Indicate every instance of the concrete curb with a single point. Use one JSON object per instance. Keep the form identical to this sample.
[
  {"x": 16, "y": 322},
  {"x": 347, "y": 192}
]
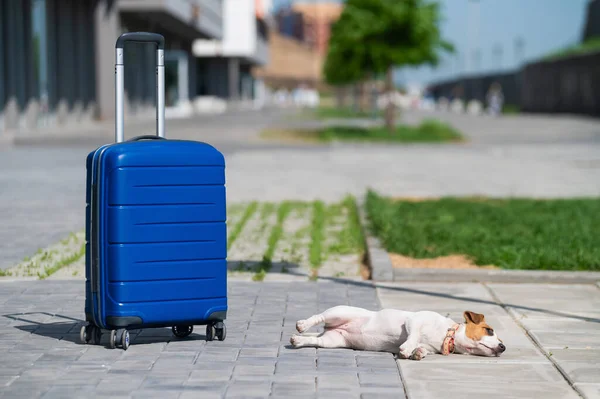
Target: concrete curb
[
  {"x": 496, "y": 276},
  {"x": 377, "y": 258},
  {"x": 10, "y": 279}
]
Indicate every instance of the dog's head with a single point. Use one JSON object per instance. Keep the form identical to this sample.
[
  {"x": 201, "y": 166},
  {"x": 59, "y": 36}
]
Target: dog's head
[{"x": 479, "y": 337}]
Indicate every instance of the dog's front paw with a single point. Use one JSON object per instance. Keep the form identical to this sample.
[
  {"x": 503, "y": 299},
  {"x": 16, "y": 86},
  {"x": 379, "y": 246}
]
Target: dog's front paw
[
  {"x": 295, "y": 340},
  {"x": 418, "y": 354},
  {"x": 301, "y": 326},
  {"x": 404, "y": 353}
]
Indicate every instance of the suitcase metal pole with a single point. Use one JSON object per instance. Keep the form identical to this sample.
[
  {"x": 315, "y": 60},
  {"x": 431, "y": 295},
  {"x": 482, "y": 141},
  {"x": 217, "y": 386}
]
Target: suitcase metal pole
[{"x": 144, "y": 37}]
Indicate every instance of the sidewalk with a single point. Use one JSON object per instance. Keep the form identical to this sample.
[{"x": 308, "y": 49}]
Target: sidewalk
[
  {"x": 552, "y": 335},
  {"x": 40, "y": 353}
]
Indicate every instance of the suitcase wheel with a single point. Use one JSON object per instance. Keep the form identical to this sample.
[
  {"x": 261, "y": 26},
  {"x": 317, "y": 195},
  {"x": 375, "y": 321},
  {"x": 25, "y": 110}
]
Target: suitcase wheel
[
  {"x": 119, "y": 338},
  {"x": 182, "y": 331},
  {"x": 90, "y": 333},
  {"x": 217, "y": 330},
  {"x": 210, "y": 332},
  {"x": 221, "y": 332}
]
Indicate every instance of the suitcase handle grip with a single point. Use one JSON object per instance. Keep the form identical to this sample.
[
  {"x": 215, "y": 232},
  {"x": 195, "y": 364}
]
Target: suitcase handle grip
[
  {"x": 145, "y": 37},
  {"x": 146, "y": 137}
]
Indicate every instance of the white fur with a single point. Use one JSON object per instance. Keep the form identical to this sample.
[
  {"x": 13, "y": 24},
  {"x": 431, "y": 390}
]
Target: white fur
[{"x": 411, "y": 335}]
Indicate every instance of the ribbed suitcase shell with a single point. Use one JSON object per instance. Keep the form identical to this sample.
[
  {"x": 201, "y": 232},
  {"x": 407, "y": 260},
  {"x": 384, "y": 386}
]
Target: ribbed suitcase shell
[{"x": 156, "y": 239}]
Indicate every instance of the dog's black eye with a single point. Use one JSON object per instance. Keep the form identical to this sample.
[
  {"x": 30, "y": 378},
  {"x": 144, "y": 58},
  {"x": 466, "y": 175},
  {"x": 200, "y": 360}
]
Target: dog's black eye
[{"x": 490, "y": 331}]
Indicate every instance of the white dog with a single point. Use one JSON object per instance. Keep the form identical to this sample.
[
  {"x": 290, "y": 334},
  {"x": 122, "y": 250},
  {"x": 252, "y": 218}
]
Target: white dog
[{"x": 412, "y": 335}]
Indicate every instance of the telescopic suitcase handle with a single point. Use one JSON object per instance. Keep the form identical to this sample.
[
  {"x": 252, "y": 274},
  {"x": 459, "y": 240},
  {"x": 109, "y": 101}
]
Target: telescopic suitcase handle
[{"x": 144, "y": 37}]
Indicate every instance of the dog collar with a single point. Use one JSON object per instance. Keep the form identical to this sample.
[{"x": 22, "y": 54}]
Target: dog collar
[{"x": 448, "y": 344}]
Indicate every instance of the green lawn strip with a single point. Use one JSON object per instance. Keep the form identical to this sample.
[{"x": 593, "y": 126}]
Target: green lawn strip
[
  {"x": 317, "y": 234},
  {"x": 239, "y": 226},
  {"x": 276, "y": 233},
  {"x": 589, "y": 46},
  {"x": 349, "y": 238},
  {"x": 429, "y": 131},
  {"x": 291, "y": 246},
  {"x": 518, "y": 233},
  {"x": 63, "y": 262},
  {"x": 343, "y": 113},
  {"x": 48, "y": 261}
]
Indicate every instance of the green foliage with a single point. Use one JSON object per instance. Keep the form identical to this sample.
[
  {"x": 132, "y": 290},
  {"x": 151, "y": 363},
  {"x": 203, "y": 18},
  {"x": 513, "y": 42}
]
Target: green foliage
[
  {"x": 237, "y": 229},
  {"x": 317, "y": 234},
  {"x": 429, "y": 131},
  {"x": 589, "y": 46},
  {"x": 561, "y": 234},
  {"x": 373, "y": 35},
  {"x": 342, "y": 113}
]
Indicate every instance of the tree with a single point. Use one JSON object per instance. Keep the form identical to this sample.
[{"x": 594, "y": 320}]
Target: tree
[
  {"x": 346, "y": 62},
  {"x": 375, "y": 36}
]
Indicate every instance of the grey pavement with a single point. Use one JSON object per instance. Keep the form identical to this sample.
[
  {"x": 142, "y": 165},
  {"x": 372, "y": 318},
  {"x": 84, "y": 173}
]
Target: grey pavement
[
  {"x": 551, "y": 333},
  {"x": 40, "y": 353},
  {"x": 42, "y": 186},
  {"x": 518, "y": 129}
]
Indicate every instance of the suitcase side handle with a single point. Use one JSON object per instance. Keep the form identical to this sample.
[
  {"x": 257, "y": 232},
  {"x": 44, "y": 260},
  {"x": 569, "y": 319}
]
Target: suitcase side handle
[{"x": 145, "y": 37}]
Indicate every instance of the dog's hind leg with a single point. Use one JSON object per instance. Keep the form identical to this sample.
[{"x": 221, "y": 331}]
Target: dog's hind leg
[
  {"x": 332, "y": 317},
  {"x": 328, "y": 339}
]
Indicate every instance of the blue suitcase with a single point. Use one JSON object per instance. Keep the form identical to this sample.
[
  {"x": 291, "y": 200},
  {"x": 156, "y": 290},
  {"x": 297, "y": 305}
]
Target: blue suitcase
[{"x": 156, "y": 239}]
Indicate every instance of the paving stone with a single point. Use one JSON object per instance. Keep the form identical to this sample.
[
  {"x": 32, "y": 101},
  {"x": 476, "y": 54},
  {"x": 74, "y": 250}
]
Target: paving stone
[
  {"x": 582, "y": 372},
  {"x": 248, "y": 389},
  {"x": 389, "y": 379},
  {"x": 347, "y": 382},
  {"x": 286, "y": 388},
  {"x": 575, "y": 355},
  {"x": 590, "y": 391},
  {"x": 574, "y": 340},
  {"x": 383, "y": 393}
]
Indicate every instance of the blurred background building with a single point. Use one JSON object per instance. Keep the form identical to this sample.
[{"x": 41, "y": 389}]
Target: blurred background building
[
  {"x": 57, "y": 57},
  {"x": 298, "y": 43},
  {"x": 543, "y": 57},
  {"x": 227, "y": 62}
]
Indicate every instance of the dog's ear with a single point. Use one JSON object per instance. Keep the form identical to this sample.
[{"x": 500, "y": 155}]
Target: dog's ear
[{"x": 472, "y": 317}]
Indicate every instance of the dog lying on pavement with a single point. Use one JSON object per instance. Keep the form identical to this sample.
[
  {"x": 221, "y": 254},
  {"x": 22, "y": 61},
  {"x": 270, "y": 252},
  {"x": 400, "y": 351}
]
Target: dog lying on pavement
[{"x": 411, "y": 335}]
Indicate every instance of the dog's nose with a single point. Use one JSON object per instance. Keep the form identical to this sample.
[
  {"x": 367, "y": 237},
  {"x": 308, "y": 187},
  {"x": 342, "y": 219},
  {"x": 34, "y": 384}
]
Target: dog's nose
[{"x": 501, "y": 347}]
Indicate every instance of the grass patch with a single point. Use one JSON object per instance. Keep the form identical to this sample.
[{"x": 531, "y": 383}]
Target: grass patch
[
  {"x": 510, "y": 109},
  {"x": 265, "y": 265},
  {"x": 237, "y": 229},
  {"x": 62, "y": 262},
  {"x": 429, "y": 131},
  {"x": 324, "y": 112},
  {"x": 350, "y": 238},
  {"x": 317, "y": 234},
  {"x": 562, "y": 234}
]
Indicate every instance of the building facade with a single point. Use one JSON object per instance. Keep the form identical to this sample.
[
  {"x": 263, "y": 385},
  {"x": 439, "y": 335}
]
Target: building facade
[
  {"x": 226, "y": 63},
  {"x": 298, "y": 45},
  {"x": 317, "y": 20},
  {"x": 57, "y": 58}
]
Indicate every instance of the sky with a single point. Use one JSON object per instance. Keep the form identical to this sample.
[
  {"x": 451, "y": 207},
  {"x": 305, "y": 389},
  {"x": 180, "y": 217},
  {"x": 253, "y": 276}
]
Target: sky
[{"x": 542, "y": 25}]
